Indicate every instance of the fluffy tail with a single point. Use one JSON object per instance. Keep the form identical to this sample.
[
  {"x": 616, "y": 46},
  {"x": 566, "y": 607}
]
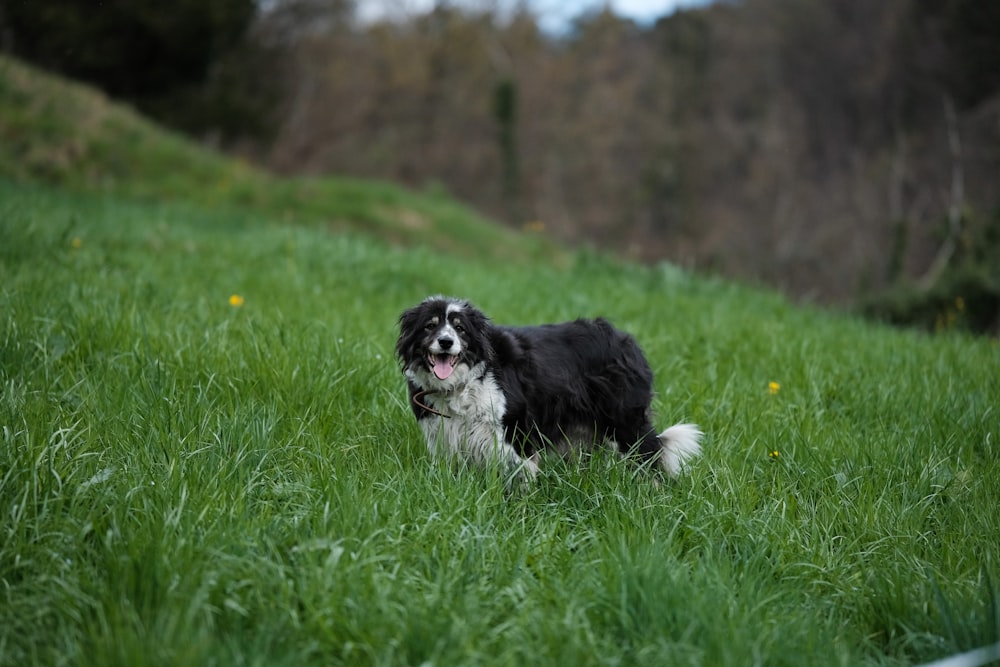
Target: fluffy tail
[{"x": 679, "y": 444}]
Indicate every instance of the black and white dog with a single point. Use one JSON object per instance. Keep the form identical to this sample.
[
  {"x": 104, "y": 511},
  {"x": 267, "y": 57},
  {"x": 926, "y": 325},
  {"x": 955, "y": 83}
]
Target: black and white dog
[{"x": 484, "y": 393}]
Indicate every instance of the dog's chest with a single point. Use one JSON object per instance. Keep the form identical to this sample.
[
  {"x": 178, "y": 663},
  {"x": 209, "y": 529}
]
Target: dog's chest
[{"x": 474, "y": 425}]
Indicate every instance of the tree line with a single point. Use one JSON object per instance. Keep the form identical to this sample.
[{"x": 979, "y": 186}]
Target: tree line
[{"x": 835, "y": 149}]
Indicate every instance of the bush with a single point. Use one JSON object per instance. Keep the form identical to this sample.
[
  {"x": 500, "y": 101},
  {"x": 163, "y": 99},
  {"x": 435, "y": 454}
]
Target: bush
[{"x": 966, "y": 295}]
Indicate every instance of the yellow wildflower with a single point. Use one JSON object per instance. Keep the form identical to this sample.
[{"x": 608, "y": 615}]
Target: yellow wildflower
[
  {"x": 773, "y": 387},
  {"x": 535, "y": 226},
  {"x": 236, "y": 301},
  {"x": 773, "y": 455}
]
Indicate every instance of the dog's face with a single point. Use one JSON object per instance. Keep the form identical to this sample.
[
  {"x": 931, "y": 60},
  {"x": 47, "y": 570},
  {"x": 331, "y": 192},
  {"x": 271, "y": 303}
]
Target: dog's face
[{"x": 440, "y": 341}]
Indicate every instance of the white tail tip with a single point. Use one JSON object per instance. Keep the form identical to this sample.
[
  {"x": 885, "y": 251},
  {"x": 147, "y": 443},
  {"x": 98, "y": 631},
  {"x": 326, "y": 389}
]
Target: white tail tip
[{"x": 680, "y": 443}]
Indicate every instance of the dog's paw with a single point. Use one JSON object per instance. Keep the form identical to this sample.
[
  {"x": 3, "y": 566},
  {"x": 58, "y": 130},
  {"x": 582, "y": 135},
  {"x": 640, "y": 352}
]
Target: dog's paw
[{"x": 523, "y": 474}]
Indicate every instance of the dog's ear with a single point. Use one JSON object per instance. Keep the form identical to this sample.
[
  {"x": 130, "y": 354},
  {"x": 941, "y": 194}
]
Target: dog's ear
[
  {"x": 505, "y": 348},
  {"x": 409, "y": 326},
  {"x": 409, "y": 318},
  {"x": 483, "y": 328},
  {"x": 477, "y": 319}
]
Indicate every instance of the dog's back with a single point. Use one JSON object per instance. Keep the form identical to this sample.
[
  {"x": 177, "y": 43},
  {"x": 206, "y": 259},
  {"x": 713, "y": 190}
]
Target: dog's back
[{"x": 571, "y": 379}]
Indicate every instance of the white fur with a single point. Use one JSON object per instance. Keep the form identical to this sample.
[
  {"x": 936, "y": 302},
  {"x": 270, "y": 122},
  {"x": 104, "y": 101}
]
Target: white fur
[
  {"x": 680, "y": 443},
  {"x": 473, "y": 432}
]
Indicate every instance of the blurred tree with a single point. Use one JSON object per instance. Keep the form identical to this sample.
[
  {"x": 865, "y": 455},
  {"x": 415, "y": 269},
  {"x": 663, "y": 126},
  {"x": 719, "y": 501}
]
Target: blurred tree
[
  {"x": 168, "y": 58},
  {"x": 816, "y": 145},
  {"x": 130, "y": 48},
  {"x": 966, "y": 39},
  {"x": 505, "y": 113}
]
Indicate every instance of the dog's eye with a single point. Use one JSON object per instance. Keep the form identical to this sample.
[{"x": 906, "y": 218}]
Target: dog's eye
[
  {"x": 458, "y": 326},
  {"x": 430, "y": 325}
]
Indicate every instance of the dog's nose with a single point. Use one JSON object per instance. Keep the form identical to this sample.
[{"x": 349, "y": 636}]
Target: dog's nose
[{"x": 445, "y": 343}]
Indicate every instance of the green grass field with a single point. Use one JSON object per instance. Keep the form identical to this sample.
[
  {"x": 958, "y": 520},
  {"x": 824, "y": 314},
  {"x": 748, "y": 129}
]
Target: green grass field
[
  {"x": 207, "y": 457},
  {"x": 186, "y": 481}
]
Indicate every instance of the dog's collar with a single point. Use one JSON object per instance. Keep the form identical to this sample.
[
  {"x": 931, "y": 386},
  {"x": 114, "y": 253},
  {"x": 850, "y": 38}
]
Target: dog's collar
[{"x": 415, "y": 398}]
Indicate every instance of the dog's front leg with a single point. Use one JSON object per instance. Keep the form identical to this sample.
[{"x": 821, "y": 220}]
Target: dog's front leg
[
  {"x": 488, "y": 446},
  {"x": 521, "y": 472}
]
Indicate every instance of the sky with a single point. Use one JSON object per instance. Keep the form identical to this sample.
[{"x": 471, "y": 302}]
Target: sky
[{"x": 554, "y": 15}]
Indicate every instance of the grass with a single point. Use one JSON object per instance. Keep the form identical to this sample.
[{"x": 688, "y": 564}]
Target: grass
[{"x": 185, "y": 481}]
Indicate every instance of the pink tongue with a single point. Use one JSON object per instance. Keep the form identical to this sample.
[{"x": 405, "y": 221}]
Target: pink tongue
[{"x": 443, "y": 367}]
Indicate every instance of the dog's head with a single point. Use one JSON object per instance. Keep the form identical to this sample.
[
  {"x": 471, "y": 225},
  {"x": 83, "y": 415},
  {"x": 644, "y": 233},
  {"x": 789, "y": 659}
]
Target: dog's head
[{"x": 440, "y": 341}]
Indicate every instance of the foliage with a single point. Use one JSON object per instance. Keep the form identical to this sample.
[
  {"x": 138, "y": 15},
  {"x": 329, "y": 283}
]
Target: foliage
[
  {"x": 966, "y": 295},
  {"x": 777, "y": 141},
  {"x": 970, "y": 69},
  {"x": 127, "y": 48},
  {"x": 207, "y": 458},
  {"x": 774, "y": 141},
  {"x": 504, "y": 111},
  {"x": 159, "y": 56}
]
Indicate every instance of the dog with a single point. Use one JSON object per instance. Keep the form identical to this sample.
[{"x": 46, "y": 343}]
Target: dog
[{"x": 500, "y": 395}]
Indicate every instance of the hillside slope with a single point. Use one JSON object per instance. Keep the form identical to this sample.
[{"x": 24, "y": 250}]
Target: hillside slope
[
  {"x": 61, "y": 133},
  {"x": 206, "y": 457}
]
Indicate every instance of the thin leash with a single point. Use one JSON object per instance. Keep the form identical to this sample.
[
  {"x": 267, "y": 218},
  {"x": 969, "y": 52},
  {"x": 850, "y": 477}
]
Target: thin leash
[{"x": 415, "y": 398}]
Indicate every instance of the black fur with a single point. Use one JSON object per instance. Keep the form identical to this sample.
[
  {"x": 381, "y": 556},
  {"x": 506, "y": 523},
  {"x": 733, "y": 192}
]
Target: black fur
[{"x": 582, "y": 378}]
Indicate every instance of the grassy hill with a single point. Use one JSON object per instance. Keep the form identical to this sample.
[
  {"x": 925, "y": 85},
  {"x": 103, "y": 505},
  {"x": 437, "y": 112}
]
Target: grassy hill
[
  {"x": 207, "y": 457},
  {"x": 69, "y": 135}
]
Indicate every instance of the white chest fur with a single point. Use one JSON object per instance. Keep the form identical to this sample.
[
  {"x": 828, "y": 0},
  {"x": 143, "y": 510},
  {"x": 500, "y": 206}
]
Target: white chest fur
[{"x": 473, "y": 429}]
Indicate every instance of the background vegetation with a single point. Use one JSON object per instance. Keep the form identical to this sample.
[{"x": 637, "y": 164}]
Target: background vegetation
[
  {"x": 831, "y": 148},
  {"x": 66, "y": 135},
  {"x": 207, "y": 457}
]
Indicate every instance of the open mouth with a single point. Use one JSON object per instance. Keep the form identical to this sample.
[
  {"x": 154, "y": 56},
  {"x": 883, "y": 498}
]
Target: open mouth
[{"x": 442, "y": 365}]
